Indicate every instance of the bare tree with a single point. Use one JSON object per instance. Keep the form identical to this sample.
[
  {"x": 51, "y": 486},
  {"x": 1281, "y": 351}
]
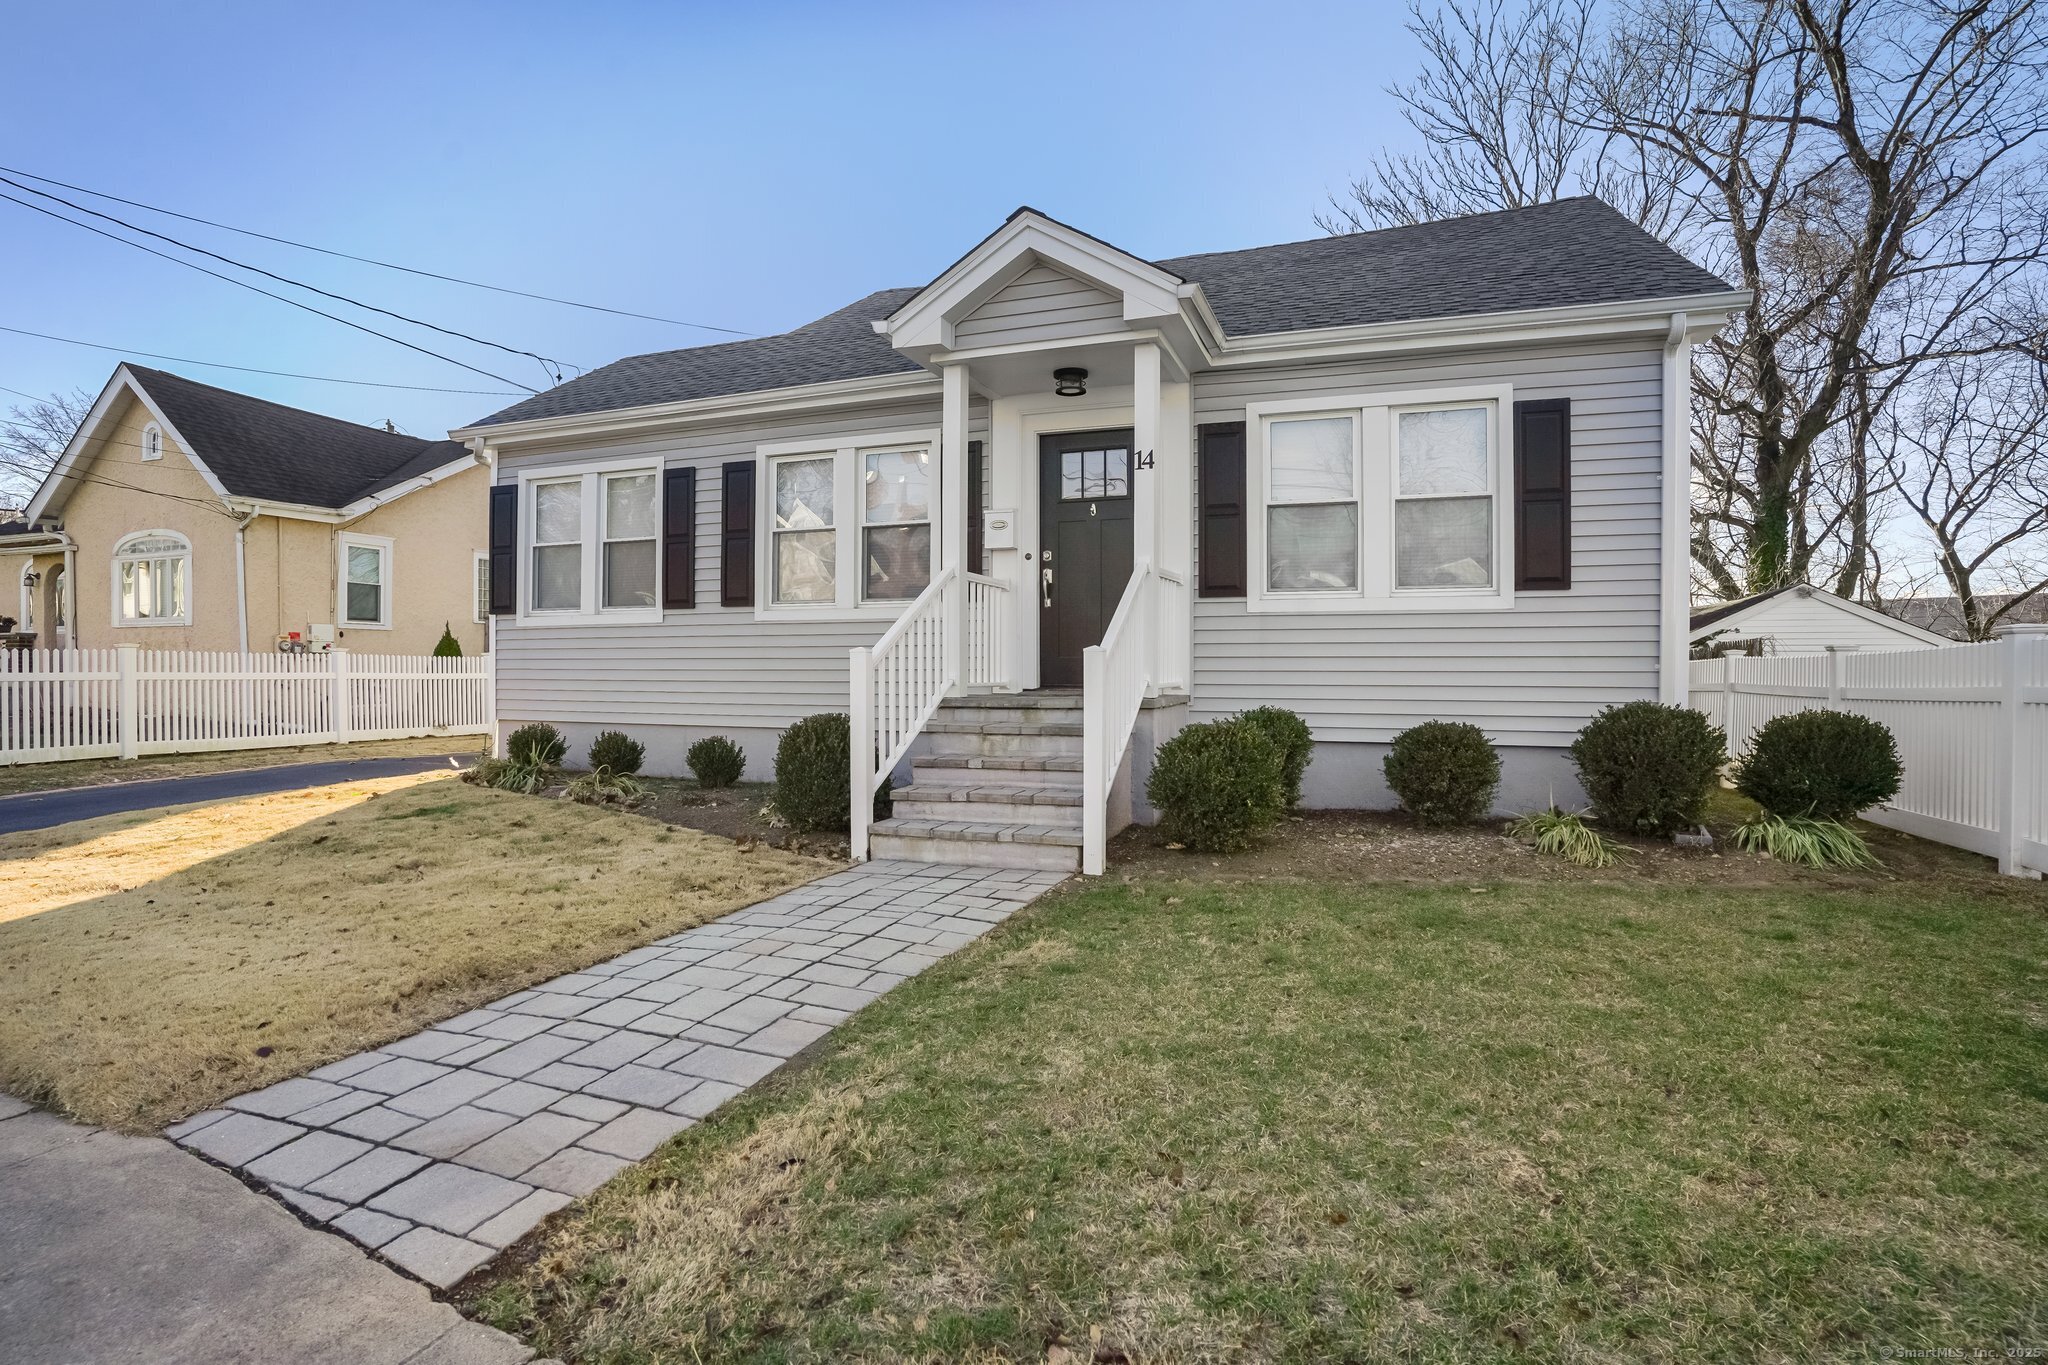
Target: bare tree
[
  {"x": 32, "y": 438},
  {"x": 1969, "y": 456},
  {"x": 1870, "y": 172}
]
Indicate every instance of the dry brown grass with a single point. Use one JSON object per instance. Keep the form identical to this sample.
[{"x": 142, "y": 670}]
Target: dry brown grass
[
  {"x": 98, "y": 772},
  {"x": 155, "y": 963}
]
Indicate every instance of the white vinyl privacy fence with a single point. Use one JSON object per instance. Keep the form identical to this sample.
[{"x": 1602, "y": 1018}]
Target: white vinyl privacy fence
[
  {"x": 124, "y": 702},
  {"x": 1971, "y": 723}
]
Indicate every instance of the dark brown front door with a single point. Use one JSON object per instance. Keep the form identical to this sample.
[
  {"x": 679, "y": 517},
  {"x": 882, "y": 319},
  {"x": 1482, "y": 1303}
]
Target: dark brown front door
[{"x": 1084, "y": 519}]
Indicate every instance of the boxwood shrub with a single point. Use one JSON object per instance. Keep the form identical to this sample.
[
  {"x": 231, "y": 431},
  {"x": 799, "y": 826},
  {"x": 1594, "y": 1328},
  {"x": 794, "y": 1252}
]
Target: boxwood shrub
[
  {"x": 538, "y": 745},
  {"x": 1290, "y": 734},
  {"x": 1217, "y": 785},
  {"x": 1827, "y": 765},
  {"x": 614, "y": 750},
  {"x": 814, "y": 773},
  {"x": 716, "y": 762},
  {"x": 1647, "y": 767},
  {"x": 1444, "y": 771}
]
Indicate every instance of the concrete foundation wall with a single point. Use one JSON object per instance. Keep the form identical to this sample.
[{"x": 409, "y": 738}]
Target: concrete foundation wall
[{"x": 1350, "y": 777}]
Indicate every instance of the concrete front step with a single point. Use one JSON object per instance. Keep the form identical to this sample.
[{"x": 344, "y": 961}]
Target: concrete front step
[
  {"x": 1052, "y": 699},
  {"x": 977, "y": 843},
  {"x": 1024, "y": 741},
  {"x": 1020, "y": 766},
  {"x": 1022, "y": 709},
  {"x": 990, "y": 804}
]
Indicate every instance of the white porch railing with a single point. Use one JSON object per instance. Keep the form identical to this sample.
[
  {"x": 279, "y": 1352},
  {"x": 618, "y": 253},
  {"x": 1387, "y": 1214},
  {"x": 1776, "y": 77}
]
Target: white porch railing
[
  {"x": 125, "y": 702},
  {"x": 988, "y": 632},
  {"x": 1116, "y": 677},
  {"x": 1971, "y": 723}
]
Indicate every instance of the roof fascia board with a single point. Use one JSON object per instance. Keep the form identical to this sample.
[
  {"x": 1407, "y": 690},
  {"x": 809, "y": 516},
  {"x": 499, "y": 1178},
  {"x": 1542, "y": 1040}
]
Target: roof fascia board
[
  {"x": 290, "y": 511},
  {"x": 370, "y": 502},
  {"x": 1707, "y": 314},
  {"x": 926, "y": 318},
  {"x": 795, "y": 398},
  {"x": 75, "y": 457}
]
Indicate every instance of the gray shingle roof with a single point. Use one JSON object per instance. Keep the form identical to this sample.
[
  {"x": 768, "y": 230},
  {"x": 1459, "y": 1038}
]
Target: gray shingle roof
[
  {"x": 260, "y": 449},
  {"x": 1574, "y": 251},
  {"x": 1721, "y": 611}
]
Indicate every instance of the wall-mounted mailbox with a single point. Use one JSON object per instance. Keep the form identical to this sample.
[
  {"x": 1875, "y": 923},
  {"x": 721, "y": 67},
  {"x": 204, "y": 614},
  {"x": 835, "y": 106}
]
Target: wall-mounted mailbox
[{"x": 999, "y": 530}]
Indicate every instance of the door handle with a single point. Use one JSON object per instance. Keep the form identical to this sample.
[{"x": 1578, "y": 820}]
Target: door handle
[{"x": 1045, "y": 586}]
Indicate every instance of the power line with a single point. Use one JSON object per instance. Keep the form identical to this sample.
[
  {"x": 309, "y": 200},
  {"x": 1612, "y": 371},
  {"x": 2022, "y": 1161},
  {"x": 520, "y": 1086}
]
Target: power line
[
  {"x": 369, "y": 260},
  {"x": 251, "y": 369},
  {"x": 44, "y": 474},
  {"x": 546, "y": 362},
  {"x": 244, "y": 284}
]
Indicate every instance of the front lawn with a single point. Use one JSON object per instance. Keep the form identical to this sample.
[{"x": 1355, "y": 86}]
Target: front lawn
[
  {"x": 1171, "y": 1119},
  {"x": 156, "y": 962}
]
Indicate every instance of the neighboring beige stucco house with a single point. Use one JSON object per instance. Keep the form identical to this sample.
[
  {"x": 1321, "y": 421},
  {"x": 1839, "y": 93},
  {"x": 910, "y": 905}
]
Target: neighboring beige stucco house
[{"x": 183, "y": 516}]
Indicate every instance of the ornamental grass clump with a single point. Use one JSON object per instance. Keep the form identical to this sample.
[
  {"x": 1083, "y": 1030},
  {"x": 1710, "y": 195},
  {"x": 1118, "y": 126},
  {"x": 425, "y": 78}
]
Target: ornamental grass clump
[
  {"x": 1648, "y": 767},
  {"x": 1290, "y": 734},
  {"x": 1566, "y": 835},
  {"x": 1218, "y": 785},
  {"x": 601, "y": 786},
  {"x": 1804, "y": 840},
  {"x": 1444, "y": 771}
]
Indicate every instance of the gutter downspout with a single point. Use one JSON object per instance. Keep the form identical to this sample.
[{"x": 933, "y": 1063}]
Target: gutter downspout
[
  {"x": 1675, "y": 622},
  {"x": 69, "y": 603},
  {"x": 242, "y": 580}
]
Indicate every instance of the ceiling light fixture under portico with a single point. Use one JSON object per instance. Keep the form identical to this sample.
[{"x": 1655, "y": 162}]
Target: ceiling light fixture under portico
[{"x": 1070, "y": 382}]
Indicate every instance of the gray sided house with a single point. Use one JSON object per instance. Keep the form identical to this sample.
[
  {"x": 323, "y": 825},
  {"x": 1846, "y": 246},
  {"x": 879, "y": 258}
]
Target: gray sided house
[{"x": 1024, "y": 522}]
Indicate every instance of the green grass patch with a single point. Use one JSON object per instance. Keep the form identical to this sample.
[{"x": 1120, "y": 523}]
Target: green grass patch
[{"x": 1307, "y": 1123}]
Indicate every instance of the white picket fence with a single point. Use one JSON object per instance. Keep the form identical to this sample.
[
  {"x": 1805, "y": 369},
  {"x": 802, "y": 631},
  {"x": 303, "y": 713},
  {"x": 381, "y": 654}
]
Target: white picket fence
[
  {"x": 125, "y": 702},
  {"x": 1971, "y": 723}
]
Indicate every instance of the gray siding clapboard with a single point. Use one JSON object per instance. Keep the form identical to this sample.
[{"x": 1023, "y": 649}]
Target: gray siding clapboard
[
  {"x": 1039, "y": 305},
  {"x": 712, "y": 665},
  {"x": 1530, "y": 675}
]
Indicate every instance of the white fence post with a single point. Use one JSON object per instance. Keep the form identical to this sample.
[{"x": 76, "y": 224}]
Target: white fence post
[
  {"x": 1836, "y": 688},
  {"x": 2013, "y": 821},
  {"x": 491, "y": 698},
  {"x": 128, "y": 716},
  {"x": 861, "y": 744},
  {"x": 339, "y": 718}
]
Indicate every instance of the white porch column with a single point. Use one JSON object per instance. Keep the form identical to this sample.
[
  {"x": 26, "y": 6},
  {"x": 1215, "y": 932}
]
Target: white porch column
[
  {"x": 1145, "y": 445},
  {"x": 952, "y": 516}
]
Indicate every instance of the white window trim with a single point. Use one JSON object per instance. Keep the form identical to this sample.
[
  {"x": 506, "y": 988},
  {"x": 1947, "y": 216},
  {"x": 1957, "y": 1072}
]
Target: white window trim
[
  {"x": 480, "y": 606},
  {"x": 589, "y": 611},
  {"x": 385, "y": 547},
  {"x": 114, "y": 582},
  {"x": 848, "y": 466},
  {"x": 1376, "y": 416},
  {"x": 152, "y": 429}
]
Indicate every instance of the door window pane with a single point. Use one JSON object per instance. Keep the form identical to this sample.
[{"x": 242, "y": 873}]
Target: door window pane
[
  {"x": 899, "y": 562},
  {"x": 1443, "y": 543},
  {"x": 1313, "y": 548},
  {"x": 557, "y": 577},
  {"x": 1443, "y": 452},
  {"x": 897, "y": 486},
  {"x": 1311, "y": 459}
]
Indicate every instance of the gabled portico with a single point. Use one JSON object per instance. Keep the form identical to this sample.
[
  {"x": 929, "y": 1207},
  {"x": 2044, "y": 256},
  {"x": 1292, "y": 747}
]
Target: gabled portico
[{"x": 1035, "y": 298}]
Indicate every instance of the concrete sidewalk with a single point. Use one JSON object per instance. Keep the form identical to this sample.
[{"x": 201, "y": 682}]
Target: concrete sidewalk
[{"x": 119, "y": 1249}]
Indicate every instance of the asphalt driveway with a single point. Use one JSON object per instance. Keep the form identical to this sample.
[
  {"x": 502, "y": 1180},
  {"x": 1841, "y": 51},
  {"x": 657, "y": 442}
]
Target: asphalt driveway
[{"x": 40, "y": 810}]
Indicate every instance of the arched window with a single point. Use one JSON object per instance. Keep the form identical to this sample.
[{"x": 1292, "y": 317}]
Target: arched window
[
  {"x": 152, "y": 442},
  {"x": 152, "y": 580}
]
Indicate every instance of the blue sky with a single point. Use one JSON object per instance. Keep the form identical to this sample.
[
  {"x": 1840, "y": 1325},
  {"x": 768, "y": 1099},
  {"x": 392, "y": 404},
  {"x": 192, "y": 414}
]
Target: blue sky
[{"x": 748, "y": 166}]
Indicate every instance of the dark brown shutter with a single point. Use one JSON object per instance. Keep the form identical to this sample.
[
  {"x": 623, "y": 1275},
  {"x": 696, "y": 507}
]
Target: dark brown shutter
[
  {"x": 1220, "y": 476},
  {"x": 679, "y": 539},
  {"x": 504, "y": 531},
  {"x": 736, "y": 535},
  {"x": 1543, "y": 495},
  {"x": 976, "y": 532}
]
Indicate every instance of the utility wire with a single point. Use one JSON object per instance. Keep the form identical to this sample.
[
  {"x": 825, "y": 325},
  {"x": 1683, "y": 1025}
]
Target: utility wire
[
  {"x": 368, "y": 260},
  {"x": 548, "y": 363},
  {"x": 24, "y": 468},
  {"x": 251, "y": 369},
  {"x": 244, "y": 284}
]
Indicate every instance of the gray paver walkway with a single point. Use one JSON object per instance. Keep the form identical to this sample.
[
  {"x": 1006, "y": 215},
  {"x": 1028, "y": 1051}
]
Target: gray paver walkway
[
  {"x": 439, "y": 1150},
  {"x": 126, "y": 1251}
]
